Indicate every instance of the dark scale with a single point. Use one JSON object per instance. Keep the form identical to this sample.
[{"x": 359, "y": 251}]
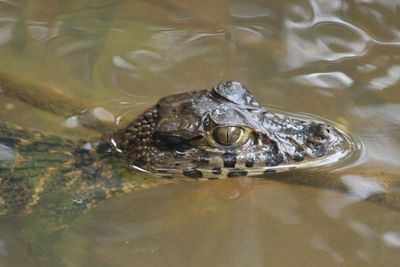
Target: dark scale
[
  {"x": 236, "y": 173},
  {"x": 273, "y": 160},
  {"x": 229, "y": 160},
  {"x": 298, "y": 156},
  {"x": 204, "y": 158},
  {"x": 249, "y": 163},
  {"x": 193, "y": 173},
  {"x": 216, "y": 170}
]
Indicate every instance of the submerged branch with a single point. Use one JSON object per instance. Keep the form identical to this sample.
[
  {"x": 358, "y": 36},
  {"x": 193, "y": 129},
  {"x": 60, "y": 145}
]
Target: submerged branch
[
  {"x": 51, "y": 100},
  {"x": 40, "y": 96}
]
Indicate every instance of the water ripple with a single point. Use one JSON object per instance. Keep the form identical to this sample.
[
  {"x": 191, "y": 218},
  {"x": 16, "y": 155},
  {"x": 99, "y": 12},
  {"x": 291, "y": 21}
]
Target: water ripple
[
  {"x": 249, "y": 10},
  {"x": 325, "y": 80},
  {"x": 320, "y": 34},
  {"x": 390, "y": 78}
]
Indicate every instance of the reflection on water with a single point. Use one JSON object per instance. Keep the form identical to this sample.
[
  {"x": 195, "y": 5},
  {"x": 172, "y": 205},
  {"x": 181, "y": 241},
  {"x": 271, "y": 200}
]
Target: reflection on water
[
  {"x": 336, "y": 59},
  {"x": 271, "y": 224}
]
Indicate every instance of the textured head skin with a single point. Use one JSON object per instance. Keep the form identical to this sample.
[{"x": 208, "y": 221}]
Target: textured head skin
[{"x": 223, "y": 131}]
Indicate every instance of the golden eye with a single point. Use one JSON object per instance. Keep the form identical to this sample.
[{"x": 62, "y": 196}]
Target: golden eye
[{"x": 228, "y": 135}]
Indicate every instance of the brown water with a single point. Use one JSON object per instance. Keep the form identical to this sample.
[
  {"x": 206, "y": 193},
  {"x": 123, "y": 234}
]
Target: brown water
[{"x": 335, "y": 59}]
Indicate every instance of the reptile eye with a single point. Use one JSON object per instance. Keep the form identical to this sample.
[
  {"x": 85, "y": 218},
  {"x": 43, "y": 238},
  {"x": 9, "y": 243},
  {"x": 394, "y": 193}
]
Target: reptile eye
[{"x": 228, "y": 135}]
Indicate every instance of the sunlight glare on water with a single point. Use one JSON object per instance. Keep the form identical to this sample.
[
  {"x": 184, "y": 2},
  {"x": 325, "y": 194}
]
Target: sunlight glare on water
[{"x": 335, "y": 59}]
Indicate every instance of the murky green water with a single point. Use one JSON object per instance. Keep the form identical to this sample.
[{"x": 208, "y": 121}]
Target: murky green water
[{"x": 335, "y": 59}]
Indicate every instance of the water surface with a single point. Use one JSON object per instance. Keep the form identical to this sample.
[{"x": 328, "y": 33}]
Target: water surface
[{"x": 335, "y": 59}]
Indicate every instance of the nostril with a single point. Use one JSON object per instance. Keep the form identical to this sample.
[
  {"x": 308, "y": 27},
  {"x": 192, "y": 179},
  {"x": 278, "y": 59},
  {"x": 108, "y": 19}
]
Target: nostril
[{"x": 322, "y": 131}]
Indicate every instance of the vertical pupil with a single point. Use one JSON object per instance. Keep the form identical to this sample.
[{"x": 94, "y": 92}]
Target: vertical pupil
[{"x": 227, "y": 135}]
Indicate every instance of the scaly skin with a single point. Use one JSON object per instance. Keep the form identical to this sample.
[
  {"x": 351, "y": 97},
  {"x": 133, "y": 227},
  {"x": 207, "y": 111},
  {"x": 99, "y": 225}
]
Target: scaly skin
[
  {"x": 53, "y": 174},
  {"x": 224, "y": 132},
  {"x": 48, "y": 173}
]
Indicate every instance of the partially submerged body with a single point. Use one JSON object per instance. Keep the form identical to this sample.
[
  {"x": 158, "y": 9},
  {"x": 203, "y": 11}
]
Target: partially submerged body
[{"x": 203, "y": 135}]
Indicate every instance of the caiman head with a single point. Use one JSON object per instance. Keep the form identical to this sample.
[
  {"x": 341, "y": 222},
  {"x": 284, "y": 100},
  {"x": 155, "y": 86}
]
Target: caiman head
[{"x": 225, "y": 132}]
